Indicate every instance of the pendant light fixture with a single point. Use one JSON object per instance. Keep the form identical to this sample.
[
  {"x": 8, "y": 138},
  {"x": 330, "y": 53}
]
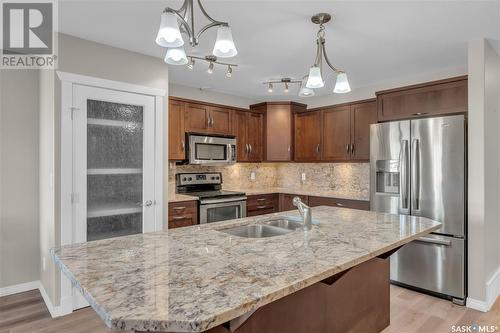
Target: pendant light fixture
[
  {"x": 315, "y": 79},
  {"x": 175, "y": 22}
]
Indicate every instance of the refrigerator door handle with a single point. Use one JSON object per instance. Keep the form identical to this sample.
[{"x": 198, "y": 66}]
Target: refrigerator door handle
[
  {"x": 434, "y": 241},
  {"x": 403, "y": 174},
  {"x": 415, "y": 177}
]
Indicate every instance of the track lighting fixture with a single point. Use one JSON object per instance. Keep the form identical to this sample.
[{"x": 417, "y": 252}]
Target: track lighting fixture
[
  {"x": 212, "y": 61},
  {"x": 229, "y": 71},
  {"x": 210, "y": 69},
  {"x": 270, "y": 87},
  {"x": 190, "y": 65}
]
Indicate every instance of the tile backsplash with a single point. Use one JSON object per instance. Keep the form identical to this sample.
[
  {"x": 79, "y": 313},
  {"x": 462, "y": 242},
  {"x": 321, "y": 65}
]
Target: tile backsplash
[{"x": 337, "y": 177}]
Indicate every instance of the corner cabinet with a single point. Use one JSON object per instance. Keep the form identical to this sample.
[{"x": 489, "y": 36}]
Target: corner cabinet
[{"x": 441, "y": 97}]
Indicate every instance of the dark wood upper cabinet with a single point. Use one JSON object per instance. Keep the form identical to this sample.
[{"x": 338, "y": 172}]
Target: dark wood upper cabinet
[
  {"x": 196, "y": 117},
  {"x": 255, "y": 136},
  {"x": 240, "y": 130},
  {"x": 362, "y": 116},
  {"x": 278, "y": 129},
  {"x": 307, "y": 138},
  {"x": 220, "y": 120},
  {"x": 336, "y": 129},
  {"x": 423, "y": 100},
  {"x": 176, "y": 137}
]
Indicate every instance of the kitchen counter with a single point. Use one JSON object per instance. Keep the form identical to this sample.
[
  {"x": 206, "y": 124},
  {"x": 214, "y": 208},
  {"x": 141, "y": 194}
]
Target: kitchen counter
[
  {"x": 176, "y": 197},
  {"x": 317, "y": 193},
  {"x": 196, "y": 278}
]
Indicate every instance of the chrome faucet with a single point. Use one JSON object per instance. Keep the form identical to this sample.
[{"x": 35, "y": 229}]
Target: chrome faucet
[{"x": 305, "y": 212}]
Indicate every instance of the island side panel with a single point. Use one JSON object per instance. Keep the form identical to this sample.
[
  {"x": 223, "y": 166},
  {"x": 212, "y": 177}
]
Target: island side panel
[{"x": 356, "y": 300}]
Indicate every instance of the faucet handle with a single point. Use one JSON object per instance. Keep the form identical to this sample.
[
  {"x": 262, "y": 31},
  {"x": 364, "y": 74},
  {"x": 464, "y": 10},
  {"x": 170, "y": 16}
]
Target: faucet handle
[{"x": 296, "y": 201}]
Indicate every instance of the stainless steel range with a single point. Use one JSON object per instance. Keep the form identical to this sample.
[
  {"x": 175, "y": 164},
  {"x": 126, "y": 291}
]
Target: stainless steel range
[{"x": 214, "y": 204}]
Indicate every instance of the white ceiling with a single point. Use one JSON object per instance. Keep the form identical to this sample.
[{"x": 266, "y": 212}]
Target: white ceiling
[{"x": 373, "y": 41}]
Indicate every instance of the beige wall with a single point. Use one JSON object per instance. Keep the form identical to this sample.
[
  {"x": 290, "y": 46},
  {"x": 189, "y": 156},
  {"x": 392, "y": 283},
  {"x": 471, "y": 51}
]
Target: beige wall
[
  {"x": 19, "y": 244},
  {"x": 209, "y": 96},
  {"x": 84, "y": 57},
  {"x": 483, "y": 178}
]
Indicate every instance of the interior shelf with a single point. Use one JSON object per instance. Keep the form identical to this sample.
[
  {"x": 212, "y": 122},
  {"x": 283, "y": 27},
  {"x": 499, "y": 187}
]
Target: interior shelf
[
  {"x": 114, "y": 171},
  {"x": 115, "y": 123},
  {"x": 111, "y": 209}
]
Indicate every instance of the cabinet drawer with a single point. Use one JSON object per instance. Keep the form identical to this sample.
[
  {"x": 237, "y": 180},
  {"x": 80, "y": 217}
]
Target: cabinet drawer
[
  {"x": 343, "y": 203},
  {"x": 286, "y": 201},
  {"x": 262, "y": 204},
  {"x": 182, "y": 214}
]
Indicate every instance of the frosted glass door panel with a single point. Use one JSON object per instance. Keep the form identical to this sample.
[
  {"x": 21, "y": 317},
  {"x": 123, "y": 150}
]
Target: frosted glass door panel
[{"x": 112, "y": 137}]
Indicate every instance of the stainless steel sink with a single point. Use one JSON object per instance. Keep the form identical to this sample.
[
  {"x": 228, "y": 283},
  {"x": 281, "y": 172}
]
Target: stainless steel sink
[
  {"x": 285, "y": 223},
  {"x": 256, "y": 231}
]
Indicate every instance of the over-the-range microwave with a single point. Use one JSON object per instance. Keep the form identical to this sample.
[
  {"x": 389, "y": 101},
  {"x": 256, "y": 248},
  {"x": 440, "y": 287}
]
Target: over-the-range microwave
[{"x": 203, "y": 149}]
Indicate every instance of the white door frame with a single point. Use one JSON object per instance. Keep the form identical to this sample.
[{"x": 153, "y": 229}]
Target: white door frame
[{"x": 67, "y": 230}]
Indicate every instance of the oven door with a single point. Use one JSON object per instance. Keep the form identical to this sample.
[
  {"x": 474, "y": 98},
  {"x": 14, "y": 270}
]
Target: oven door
[{"x": 214, "y": 210}]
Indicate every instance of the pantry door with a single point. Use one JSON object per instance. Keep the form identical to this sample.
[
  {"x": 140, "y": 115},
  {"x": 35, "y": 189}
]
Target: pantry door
[{"x": 114, "y": 163}]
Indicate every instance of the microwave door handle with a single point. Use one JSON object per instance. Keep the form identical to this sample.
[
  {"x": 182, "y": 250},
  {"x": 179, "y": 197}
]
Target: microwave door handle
[{"x": 229, "y": 153}]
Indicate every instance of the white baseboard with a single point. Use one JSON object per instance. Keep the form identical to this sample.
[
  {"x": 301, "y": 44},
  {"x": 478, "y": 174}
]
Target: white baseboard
[
  {"x": 55, "y": 311},
  {"x": 492, "y": 293},
  {"x": 19, "y": 288}
]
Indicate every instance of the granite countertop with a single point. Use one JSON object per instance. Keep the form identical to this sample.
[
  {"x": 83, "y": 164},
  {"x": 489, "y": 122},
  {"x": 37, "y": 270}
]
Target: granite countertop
[
  {"x": 195, "y": 278},
  {"x": 318, "y": 193},
  {"x": 176, "y": 197}
]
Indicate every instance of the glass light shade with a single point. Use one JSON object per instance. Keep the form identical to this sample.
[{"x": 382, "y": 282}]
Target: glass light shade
[
  {"x": 224, "y": 45},
  {"x": 342, "y": 84},
  {"x": 176, "y": 56},
  {"x": 315, "y": 80},
  {"x": 306, "y": 92},
  {"x": 169, "y": 34}
]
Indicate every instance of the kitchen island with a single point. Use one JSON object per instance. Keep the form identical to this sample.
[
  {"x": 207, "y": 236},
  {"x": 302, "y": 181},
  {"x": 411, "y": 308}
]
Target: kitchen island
[{"x": 332, "y": 278}]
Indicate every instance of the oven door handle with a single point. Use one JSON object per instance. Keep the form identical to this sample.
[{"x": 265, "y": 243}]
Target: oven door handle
[{"x": 214, "y": 201}]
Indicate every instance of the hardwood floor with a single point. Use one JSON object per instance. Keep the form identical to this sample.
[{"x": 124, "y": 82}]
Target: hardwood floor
[{"x": 411, "y": 312}]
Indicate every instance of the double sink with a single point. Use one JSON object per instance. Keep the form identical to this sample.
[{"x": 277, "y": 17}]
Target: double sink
[{"x": 269, "y": 228}]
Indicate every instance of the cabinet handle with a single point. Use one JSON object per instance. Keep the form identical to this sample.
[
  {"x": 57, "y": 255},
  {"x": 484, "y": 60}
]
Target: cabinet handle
[
  {"x": 339, "y": 204},
  {"x": 183, "y": 145},
  {"x": 250, "y": 145},
  {"x": 208, "y": 121},
  {"x": 262, "y": 207},
  {"x": 211, "y": 121},
  {"x": 177, "y": 218},
  {"x": 352, "y": 148},
  {"x": 317, "y": 148},
  {"x": 261, "y": 199},
  {"x": 347, "y": 148},
  {"x": 419, "y": 113},
  {"x": 246, "y": 147},
  {"x": 179, "y": 208}
]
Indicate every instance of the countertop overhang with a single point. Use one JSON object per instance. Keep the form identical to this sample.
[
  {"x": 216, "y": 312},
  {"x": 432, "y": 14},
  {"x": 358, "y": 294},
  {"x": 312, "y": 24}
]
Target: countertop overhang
[{"x": 194, "y": 278}]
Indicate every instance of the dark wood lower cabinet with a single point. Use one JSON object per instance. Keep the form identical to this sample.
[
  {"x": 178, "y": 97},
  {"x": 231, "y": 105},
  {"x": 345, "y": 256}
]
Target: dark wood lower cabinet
[
  {"x": 286, "y": 201},
  {"x": 182, "y": 214},
  {"x": 343, "y": 203},
  {"x": 262, "y": 204},
  {"x": 356, "y": 300}
]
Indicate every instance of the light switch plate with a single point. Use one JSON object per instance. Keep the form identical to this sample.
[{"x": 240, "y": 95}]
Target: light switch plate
[
  {"x": 303, "y": 176},
  {"x": 252, "y": 175}
]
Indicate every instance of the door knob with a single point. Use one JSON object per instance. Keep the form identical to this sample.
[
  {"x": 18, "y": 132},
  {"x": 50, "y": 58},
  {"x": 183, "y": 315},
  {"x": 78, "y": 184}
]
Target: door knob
[{"x": 146, "y": 204}]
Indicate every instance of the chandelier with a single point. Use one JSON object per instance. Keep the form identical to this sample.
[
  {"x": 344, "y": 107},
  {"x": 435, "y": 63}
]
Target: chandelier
[
  {"x": 175, "y": 22},
  {"x": 315, "y": 79}
]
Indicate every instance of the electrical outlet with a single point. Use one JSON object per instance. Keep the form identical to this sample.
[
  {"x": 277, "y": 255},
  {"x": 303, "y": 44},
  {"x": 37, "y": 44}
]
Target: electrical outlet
[
  {"x": 303, "y": 176},
  {"x": 43, "y": 264},
  {"x": 252, "y": 175}
]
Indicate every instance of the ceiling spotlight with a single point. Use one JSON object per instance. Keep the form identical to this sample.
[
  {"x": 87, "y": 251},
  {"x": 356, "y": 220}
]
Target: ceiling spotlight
[
  {"x": 190, "y": 65},
  {"x": 286, "y": 87},
  {"x": 306, "y": 92},
  {"x": 210, "y": 69},
  {"x": 270, "y": 88},
  {"x": 229, "y": 71}
]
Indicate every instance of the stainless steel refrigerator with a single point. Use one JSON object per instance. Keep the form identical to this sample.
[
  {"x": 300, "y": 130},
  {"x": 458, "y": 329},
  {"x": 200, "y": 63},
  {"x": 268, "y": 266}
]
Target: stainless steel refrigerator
[{"x": 418, "y": 167}]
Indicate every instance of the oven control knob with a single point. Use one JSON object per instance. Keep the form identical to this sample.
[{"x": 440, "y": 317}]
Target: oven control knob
[
  {"x": 190, "y": 178},
  {"x": 217, "y": 177},
  {"x": 184, "y": 179},
  {"x": 213, "y": 178}
]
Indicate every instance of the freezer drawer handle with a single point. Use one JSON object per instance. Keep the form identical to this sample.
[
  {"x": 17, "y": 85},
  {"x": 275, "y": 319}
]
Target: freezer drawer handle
[{"x": 434, "y": 241}]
